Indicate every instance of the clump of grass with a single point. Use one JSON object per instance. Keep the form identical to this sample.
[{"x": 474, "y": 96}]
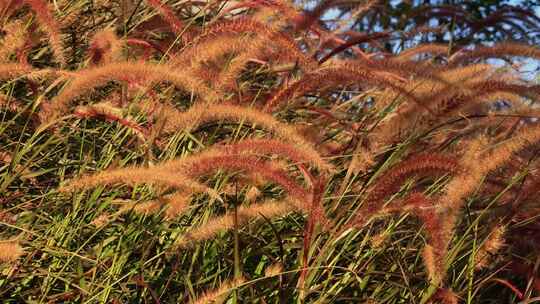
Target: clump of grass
[{"x": 181, "y": 151}]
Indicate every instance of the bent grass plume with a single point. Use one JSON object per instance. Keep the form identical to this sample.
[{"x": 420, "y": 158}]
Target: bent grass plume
[
  {"x": 12, "y": 70},
  {"x": 272, "y": 146},
  {"x": 214, "y": 296},
  {"x": 134, "y": 176},
  {"x": 490, "y": 247},
  {"x": 175, "y": 205},
  {"x": 90, "y": 78},
  {"x": 287, "y": 46},
  {"x": 168, "y": 174},
  {"x": 199, "y": 114},
  {"x": 218, "y": 224},
  {"x": 500, "y": 50},
  {"x": 111, "y": 113},
  {"x": 427, "y": 165},
  {"x": 168, "y": 14},
  {"x": 475, "y": 168}
]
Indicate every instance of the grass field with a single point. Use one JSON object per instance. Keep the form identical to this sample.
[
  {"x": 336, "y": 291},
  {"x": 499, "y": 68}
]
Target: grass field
[{"x": 220, "y": 152}]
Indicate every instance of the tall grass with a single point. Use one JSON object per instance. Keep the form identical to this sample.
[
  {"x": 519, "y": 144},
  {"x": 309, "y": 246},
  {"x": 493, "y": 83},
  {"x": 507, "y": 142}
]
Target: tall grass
[{"x": 241, "y": 152}]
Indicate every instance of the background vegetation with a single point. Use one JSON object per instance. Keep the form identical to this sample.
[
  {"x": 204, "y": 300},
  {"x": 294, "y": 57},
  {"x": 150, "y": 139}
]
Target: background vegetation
[{"x": 264, "y": 151}]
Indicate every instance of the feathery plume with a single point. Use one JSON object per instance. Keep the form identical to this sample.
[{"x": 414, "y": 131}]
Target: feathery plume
[
  {"x": 219, "y": 294},
  {"x": 209, "y": 50},
  {"x": 146, "y": 208},
  {"x": 168, "y": 174},
  {"x": 273, "y": 270},
  {"x": 101, "y": 220},
  {"x": 445, "y": 296},
  {"x": 176, "y": 204},
  {"x": 441, "y": 223},
  {"x": 444, "y": 96},
  {"x": 497, "y": 51},
  {"x": 440, "y": 235},
  {"x": 111, "y": 113},
  {"x": 254, "y": 50},
  {"x": 491, "y": 245},
  {"x": 96, "y": 76},
  {"x": 378, "y": 239},
  {"x": 244, "y": 48},
  {"x": 428, "y": 256},
  {"x": 288, "y": 49},
  {"x": 11, "y": 70},
  {"x": 50, "y": 26},
  {"x": 475, "y": 92},
  {"x": 10, "y": 251},
  {"x": 137, "y": 175},
  {"x": 252, "y": 194},
  {"x": 168, "y": 14},
  {"x": 105, "y": 47},
  {"x": 204, "y": 163},
  {"x": 14, "y": 39},
  {"x": 9, "y": 103},
  {"x": 340, "y": 75},
  {"x": 269, "y": 209},
  {"x": 420, "y": 165},
  {"x": 433, "y": 49},
  {"x": 475, "y": 168},
  {"x": 200, "y": 114},
  {"x": 277, "y": 147}
]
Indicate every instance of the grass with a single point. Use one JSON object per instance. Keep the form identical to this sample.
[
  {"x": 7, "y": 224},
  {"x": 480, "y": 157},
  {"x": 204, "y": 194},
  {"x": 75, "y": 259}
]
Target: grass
[
  {"x": 70, "y": 259},
  {"x": 84, "y": 247}
]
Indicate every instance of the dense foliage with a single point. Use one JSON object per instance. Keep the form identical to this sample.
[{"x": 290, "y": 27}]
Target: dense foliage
[
  {"x": 248, "y": 152},
  {"x": 454, "y": 22}
]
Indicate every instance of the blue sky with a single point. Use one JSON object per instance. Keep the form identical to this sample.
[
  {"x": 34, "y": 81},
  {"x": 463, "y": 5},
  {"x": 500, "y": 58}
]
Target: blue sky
[{"x": 527, "y": 71}]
